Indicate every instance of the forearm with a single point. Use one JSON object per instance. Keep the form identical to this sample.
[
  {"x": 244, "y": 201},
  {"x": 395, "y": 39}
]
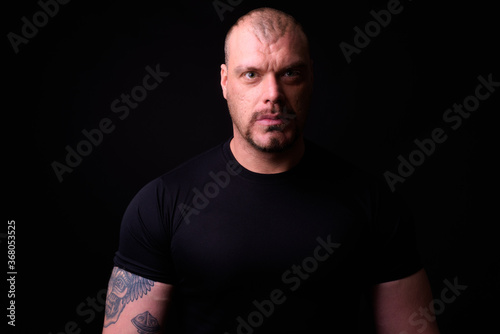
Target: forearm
[
  {"x": 396, "y": 303},
  {"x": 135, "y": 304}
]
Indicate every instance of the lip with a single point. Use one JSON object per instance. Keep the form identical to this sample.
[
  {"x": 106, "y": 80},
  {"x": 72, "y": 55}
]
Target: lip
[{"x": 271, "y": 120}]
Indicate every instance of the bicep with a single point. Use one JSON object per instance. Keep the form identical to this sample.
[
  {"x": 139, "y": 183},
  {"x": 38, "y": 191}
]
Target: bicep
[
  {"x": 396, "y": 303},
  {"x": 135, "y": 303}
]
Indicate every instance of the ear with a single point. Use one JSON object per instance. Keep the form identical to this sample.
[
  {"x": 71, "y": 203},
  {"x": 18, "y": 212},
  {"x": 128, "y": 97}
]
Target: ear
[{"x": 223, "y": 79}]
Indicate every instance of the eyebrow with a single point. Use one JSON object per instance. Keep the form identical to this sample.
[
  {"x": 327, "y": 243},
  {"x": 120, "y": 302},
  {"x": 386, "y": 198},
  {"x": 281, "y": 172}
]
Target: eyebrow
[{"x": 247, "y": 68}]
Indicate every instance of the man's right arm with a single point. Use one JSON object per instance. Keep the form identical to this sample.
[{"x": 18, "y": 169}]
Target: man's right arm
[{"x": 135, "y": 304}]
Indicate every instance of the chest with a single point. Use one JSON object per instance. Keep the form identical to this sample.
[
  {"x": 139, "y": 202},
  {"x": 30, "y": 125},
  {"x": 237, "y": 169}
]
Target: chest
[{"x": 243, "y": 237}]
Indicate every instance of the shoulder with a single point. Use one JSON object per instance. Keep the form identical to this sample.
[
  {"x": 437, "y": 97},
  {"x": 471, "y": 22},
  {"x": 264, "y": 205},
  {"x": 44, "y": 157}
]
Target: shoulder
[
  {"x": 163, "y": 192},
  {"x": 189, "y": 172},
  {"x": 155, "y": 204},
  {"x": 196, "y": 168}
]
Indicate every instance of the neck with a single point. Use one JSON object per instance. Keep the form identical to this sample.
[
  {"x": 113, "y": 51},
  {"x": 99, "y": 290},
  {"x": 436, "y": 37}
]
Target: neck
[{"x": 266, "y": 162}]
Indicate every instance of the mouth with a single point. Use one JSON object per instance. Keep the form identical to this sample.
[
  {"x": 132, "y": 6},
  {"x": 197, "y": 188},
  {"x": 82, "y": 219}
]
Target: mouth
[
  {"x": 271, "y": 120},
  {"x": 279, "y": 118}
]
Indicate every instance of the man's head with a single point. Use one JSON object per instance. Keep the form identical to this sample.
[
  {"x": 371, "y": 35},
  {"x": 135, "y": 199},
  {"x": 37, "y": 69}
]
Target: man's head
[{"x": 267, "y": 79}]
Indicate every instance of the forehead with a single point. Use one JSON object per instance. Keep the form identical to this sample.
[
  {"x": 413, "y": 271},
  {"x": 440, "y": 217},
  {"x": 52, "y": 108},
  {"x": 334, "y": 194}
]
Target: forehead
[{"x": 246, "y": 47}]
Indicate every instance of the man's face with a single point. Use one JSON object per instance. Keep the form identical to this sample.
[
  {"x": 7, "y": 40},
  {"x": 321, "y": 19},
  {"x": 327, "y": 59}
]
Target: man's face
[{"x": 267, "y": 87}]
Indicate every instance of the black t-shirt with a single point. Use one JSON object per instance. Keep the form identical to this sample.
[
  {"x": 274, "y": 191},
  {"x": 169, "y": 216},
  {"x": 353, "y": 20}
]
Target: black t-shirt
[{"x": 267, "y": 253}]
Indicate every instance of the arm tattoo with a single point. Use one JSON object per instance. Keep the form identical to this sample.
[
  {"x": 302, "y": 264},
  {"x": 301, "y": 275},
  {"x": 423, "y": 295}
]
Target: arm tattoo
[
  {"x": 146, "y": 323},
  {"x": 123, "y": 288}
]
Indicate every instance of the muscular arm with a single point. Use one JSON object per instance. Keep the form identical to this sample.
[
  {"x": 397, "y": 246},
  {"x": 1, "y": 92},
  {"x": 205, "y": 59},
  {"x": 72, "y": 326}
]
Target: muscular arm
[
  {"x": 135, "y": 304},
  {"x": 398, "y": 303}
]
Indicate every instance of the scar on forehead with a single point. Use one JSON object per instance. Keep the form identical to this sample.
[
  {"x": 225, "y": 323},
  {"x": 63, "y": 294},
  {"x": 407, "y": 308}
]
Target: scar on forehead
[
  {"x": 267, "y": 24},
  {"x": 268, "y": 29}
]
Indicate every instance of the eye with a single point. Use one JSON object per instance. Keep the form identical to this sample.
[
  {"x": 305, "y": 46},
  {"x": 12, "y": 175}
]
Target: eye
[
  {"x": 291, "y": 73},
  {"x": 250, "y": 75}
]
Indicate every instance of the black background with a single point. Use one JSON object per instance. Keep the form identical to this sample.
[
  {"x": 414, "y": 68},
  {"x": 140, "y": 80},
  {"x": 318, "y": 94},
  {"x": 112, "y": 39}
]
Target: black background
[{"x": 368, "y": 111}]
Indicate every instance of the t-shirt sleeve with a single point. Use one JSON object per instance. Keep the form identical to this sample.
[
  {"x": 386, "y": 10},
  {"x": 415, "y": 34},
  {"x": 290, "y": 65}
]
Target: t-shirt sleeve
[
  {"x": 144, "y": 243},
  {"x": 395, "y": 253}
]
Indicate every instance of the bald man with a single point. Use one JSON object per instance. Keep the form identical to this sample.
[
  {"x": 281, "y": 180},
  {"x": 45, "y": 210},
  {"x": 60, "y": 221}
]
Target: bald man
[{"x": 266, "y": 232}]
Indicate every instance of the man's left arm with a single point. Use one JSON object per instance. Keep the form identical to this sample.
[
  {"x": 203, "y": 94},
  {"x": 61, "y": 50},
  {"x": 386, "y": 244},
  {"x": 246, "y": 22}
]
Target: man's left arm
[{"x": 397, "y": 303}]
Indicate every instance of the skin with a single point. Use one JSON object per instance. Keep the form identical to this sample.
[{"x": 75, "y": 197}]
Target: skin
[
  {"x": 262, "y": 77},
  {"x": 155, "y": 300},
  {"x": 268, "y": 86},
  {"x": 396, "y": 303}
]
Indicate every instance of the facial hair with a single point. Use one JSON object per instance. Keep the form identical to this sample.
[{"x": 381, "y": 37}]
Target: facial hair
[{"x": 275, "y": 145}]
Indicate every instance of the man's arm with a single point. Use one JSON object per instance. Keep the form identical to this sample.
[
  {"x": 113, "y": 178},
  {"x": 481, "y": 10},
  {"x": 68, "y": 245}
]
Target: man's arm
[
  {"x": 398, "y": 306},
  {"x": 135, "y": 304}
]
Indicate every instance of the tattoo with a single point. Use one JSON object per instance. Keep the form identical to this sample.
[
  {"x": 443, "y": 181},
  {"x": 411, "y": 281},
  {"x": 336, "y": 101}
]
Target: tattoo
[
  {"x": 123, "y": 288},
  {"x": 146, "y": 323}
]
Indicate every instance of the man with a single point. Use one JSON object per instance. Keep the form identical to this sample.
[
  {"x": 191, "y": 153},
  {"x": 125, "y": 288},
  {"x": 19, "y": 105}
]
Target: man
[{"x": 265, "y": 233}]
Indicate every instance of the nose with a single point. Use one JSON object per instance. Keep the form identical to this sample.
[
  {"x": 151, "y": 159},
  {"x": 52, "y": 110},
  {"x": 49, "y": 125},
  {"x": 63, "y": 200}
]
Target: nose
[{"x": 271, "y": 90}]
